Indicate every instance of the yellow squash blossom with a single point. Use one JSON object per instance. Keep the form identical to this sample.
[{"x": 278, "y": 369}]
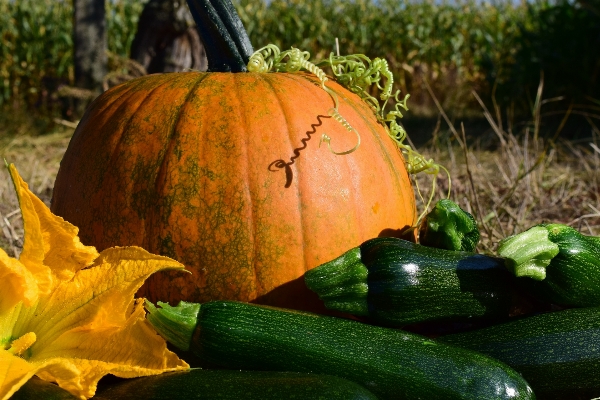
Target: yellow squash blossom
[{"x": 68, "y": 314}]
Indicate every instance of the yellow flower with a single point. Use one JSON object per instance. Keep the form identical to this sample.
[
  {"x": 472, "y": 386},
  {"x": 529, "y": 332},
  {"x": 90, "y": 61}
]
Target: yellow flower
[{"x": 68, "y": 314}]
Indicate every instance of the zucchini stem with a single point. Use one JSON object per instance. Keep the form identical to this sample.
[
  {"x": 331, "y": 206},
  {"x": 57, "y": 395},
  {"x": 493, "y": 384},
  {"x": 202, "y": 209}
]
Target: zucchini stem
[
  {"x": 175, "y": 324},
  {"x": 449, "y": 227},
  {"x": 341, "y": 283},
  {"x": 528, "y": 253}
]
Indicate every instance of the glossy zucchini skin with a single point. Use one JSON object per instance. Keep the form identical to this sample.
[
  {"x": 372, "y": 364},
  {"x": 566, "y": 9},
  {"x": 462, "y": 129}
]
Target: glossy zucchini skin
[
  {"x": 390, "y": 363},
  {"x": 558, "y": 353},
  {"x": 573, "y": 275},
  {"x": 396, "y": 282},
  {"x": 200, "y": 384}
]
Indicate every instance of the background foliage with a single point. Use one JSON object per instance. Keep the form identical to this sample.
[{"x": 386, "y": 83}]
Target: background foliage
[{"x": 36, "y": 46}]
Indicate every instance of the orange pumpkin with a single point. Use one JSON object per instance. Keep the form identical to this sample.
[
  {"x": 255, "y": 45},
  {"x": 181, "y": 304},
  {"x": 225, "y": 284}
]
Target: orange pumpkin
[{"x": 223, "y": 172}]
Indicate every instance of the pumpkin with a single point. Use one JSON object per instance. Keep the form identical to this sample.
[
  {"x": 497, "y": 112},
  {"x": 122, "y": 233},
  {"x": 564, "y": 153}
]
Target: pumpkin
[{"x": 223, "y": 172}]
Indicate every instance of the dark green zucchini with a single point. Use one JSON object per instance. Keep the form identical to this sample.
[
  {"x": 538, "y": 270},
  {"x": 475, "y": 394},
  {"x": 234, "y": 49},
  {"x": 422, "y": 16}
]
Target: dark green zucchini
[
  {"x": 568, "y": 276},
  {"x": 449, "y": 227},
  {"x": 36, "y": 388},
  {"x": 390, "y": 363},
  {"x": 234, "y": 385},
  {"x": 558, "y": 353},
  {"x": 397, "y": 282}
]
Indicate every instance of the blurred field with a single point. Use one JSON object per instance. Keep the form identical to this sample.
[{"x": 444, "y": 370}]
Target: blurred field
[
  {"x": 37, "y": 158},
  {"x": 500, "y": 49}
]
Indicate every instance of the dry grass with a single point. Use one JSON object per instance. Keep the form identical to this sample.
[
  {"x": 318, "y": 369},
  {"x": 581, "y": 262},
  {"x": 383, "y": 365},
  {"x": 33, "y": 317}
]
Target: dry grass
[
  {"x": 37, "y": 159},
  {"x": 521, "y": 184},
  {"x": 524, "y": 181}
]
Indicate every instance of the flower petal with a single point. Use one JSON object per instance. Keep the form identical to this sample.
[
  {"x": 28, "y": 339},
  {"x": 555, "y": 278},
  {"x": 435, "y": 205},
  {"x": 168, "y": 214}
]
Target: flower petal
[
  {"x": 8, "y": 320},
  {"x": 127, "y": 352},
  {"x": 15, "y": 371},
  {"x": 33, "y": 252},
  {"x": 94, "y": 322},
  {"x": 70, "y": 324},
  {"x": 18, "y": 283},
  {"x": 63, "y": 252},
  {"x": 97, "y": 297}
]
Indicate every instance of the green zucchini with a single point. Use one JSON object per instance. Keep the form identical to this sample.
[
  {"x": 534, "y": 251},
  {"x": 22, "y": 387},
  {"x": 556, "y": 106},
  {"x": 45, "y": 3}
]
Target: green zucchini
[
  {"x": 37, "y": 388},
  {"x": 390, "y": 363},
  {"x": 234, "y": 385},
  {"x": 396, "y": 282},
  {"x": 447, "y": 226},
  {"x": 558, "y": 353},
  {"x": 567, "y": 276}
]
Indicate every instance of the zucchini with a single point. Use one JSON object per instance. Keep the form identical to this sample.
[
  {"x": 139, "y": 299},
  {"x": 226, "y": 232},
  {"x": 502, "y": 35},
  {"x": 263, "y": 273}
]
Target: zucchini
[
  {"x": 558, "y": 353},
  {"x": 37, "y": 388},
  {"x": 390, "y": 363},
  {"x": 396, "y": 282},
  {"x": 447, "y": 226},
  {"x": 567, "y": 276},
  {"x": 234, "y": 385}
]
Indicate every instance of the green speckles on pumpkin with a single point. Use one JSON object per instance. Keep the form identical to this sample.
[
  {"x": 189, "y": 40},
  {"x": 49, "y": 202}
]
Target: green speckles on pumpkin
[
  {"x": 208, "y": 173},
  {"x": 167, "y": 246},
  {"x": 164, "y": 209},
  {"x": 144, "y": 195},
  {"x": 140, "y": 202},
  {"x": 177, "y": 150},
  {"x": 184, "y": 192}
]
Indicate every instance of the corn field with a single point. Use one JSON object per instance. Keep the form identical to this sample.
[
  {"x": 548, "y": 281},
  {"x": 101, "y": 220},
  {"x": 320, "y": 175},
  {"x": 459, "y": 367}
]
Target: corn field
[
  {"x": 498, "y": 49},
  {"x": 36, "y": 45}
]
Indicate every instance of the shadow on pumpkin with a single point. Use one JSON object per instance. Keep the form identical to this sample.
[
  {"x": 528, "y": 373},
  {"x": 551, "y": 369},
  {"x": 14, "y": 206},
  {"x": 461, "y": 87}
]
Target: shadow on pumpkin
[
  {"x": 296, "y": 295},
  {"x": 286, "y": 166},
  {"x": 407, "y": 233}
]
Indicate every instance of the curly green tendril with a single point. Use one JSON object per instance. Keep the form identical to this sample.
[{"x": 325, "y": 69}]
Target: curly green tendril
[
  {"x": 358, "y": 73},
  {"x": 270, "y": 58}
]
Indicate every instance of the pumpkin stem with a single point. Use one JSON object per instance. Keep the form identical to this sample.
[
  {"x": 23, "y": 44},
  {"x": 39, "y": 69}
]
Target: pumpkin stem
[{"x": 228, "y": 48}]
